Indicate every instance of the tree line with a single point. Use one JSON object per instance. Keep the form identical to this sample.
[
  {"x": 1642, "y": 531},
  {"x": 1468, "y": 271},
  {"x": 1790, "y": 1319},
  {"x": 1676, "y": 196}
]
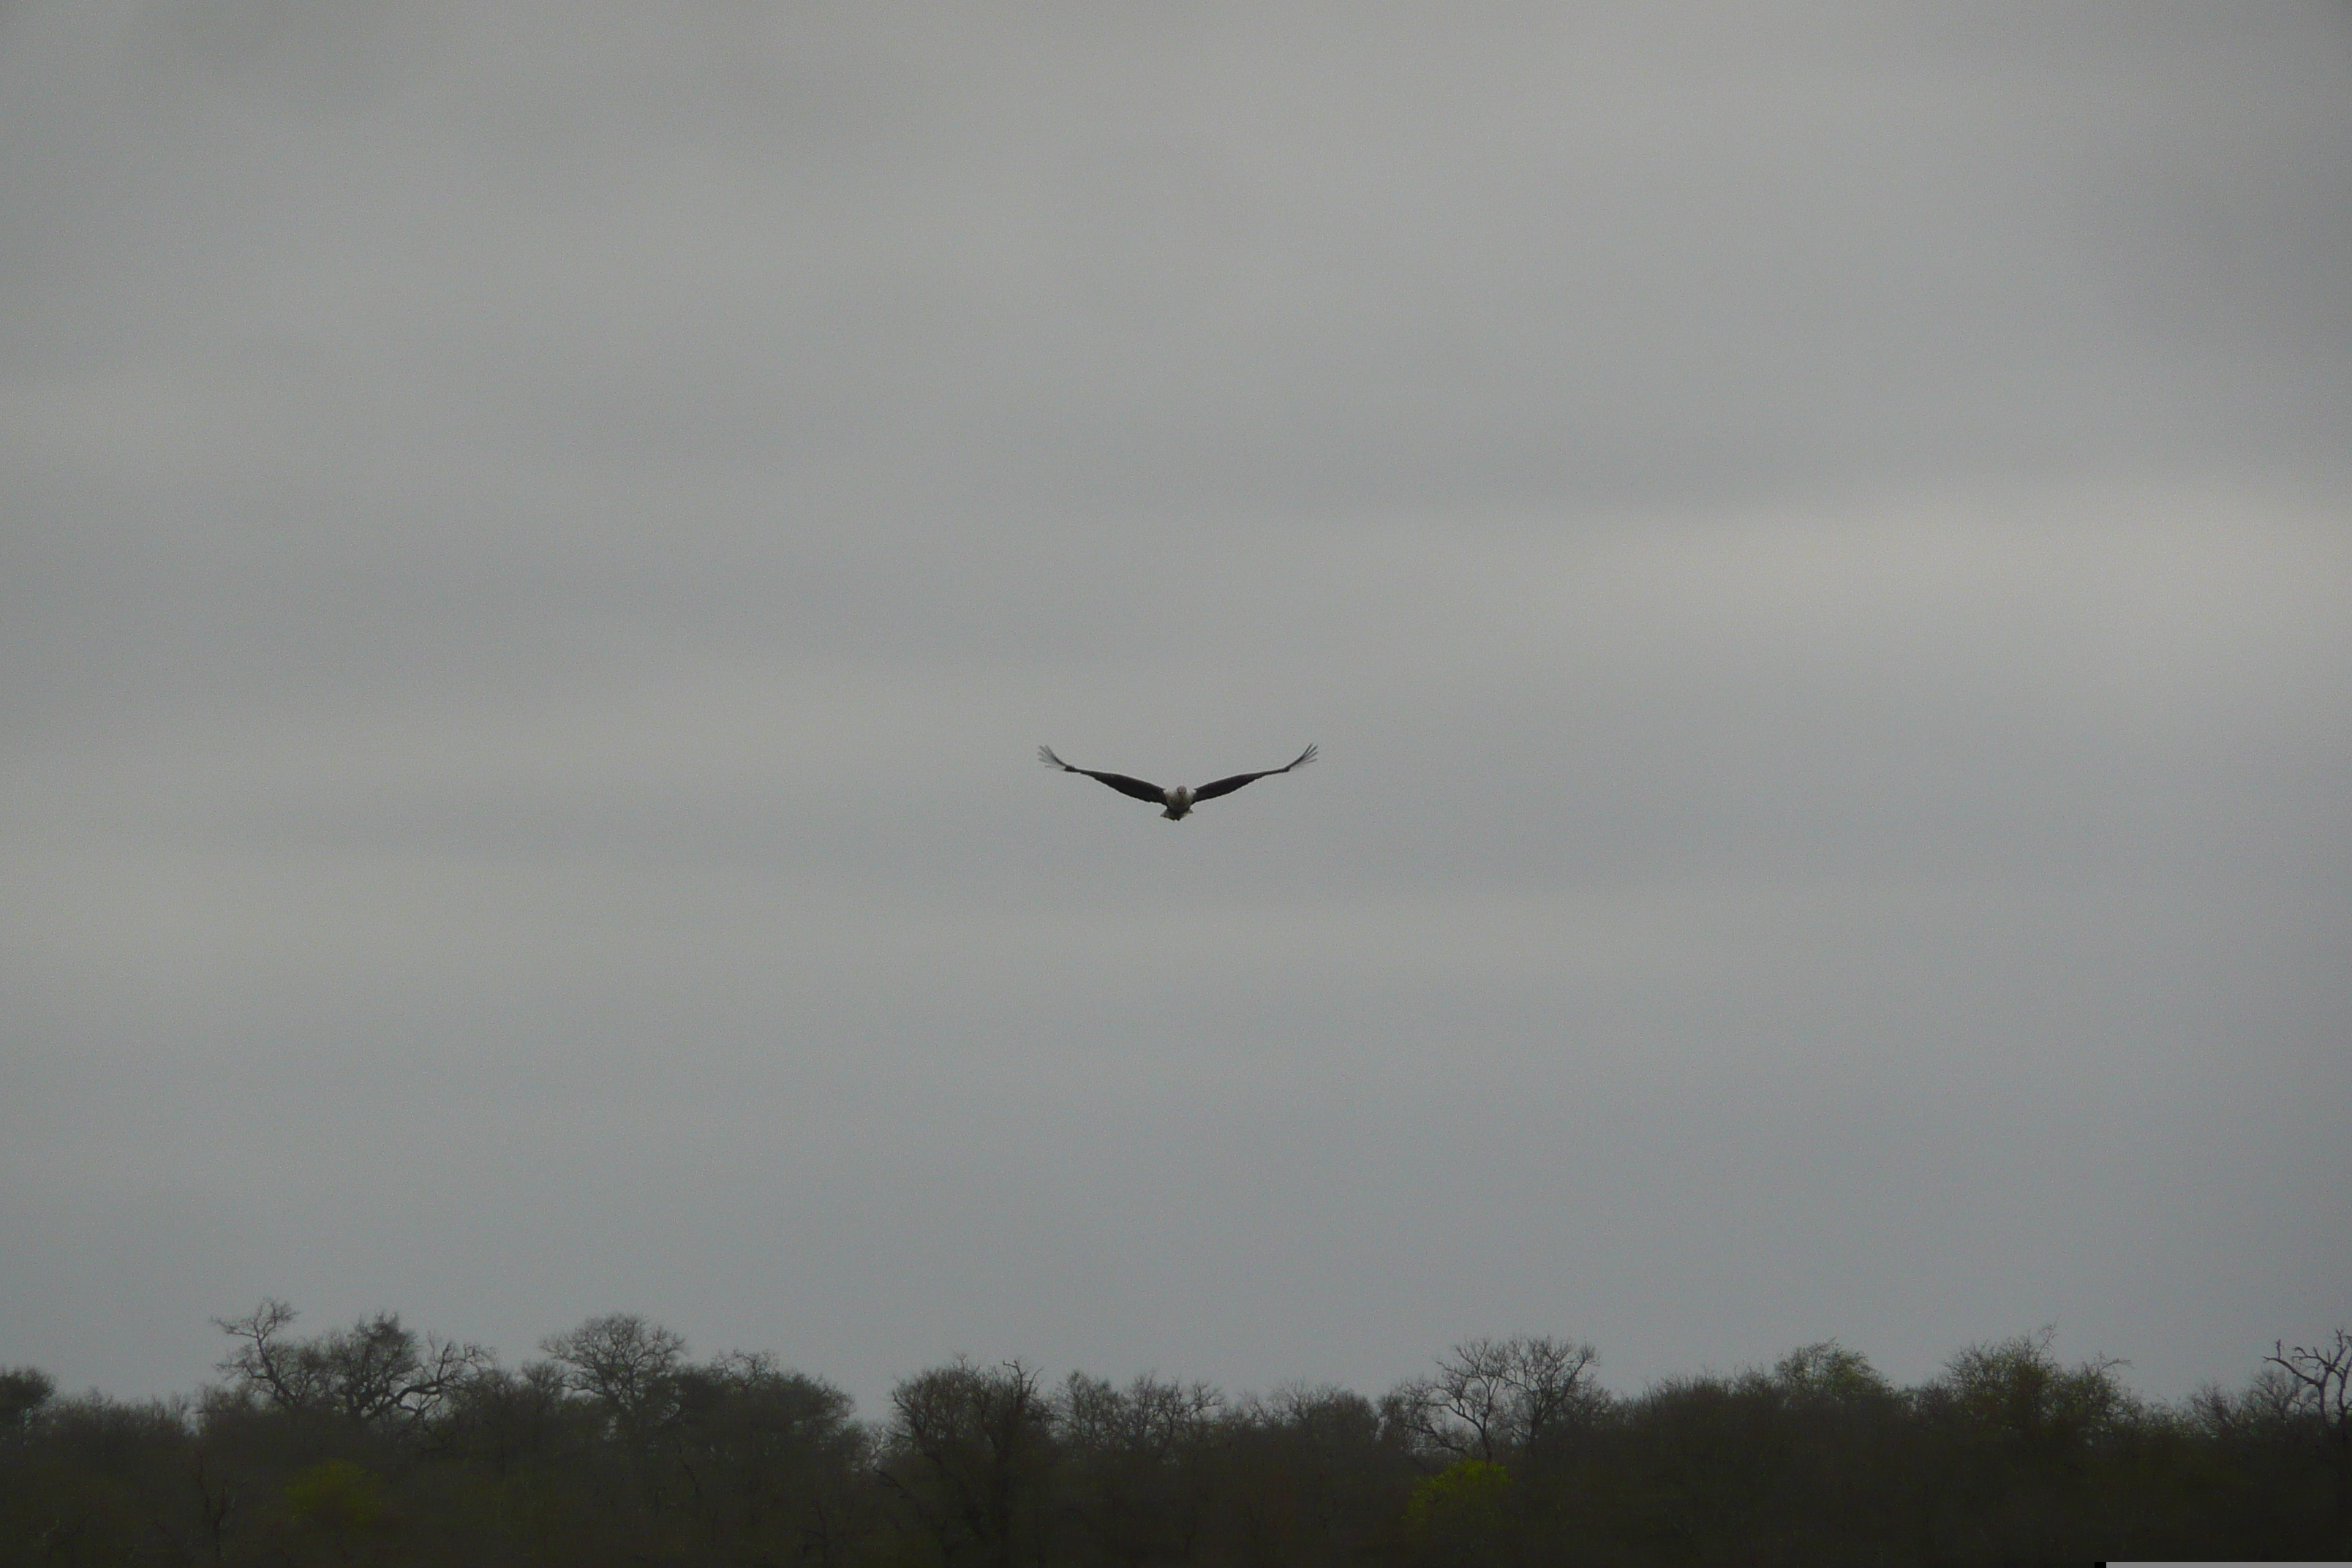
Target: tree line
[{"x": 375, "y": 1444}]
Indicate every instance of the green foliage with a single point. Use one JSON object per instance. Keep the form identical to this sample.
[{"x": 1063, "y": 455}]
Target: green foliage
[
  {"x": 1829, "y": 1371},
  {"x": 335, "y": 1496},
  {"x": 1466, "y": 1495},
  {"x": 2016, "y": 1390}
]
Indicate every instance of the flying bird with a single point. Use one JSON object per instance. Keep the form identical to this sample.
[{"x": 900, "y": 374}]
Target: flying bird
[{"x": 1178, "y": 800}]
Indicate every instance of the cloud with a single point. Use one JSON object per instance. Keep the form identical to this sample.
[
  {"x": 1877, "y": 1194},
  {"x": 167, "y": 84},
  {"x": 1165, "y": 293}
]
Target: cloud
[{"x": 542, "y": 539}]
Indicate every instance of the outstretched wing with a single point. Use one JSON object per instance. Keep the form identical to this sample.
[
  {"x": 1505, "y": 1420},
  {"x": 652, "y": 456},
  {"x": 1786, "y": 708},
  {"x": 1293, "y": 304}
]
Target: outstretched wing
[
  {"x": 1228, "y": 787},
  {"x": 1120, "y": 782}
]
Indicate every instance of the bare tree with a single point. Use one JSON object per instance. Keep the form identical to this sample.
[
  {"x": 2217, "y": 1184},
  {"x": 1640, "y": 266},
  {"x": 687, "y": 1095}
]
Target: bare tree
[
  {"x": 969, "y": 1445},
  {"x": 624, "y": 1361},
  {"x": 772, "y": 1451},
  {"x": 1148, "y": 1419},
  {"x": 1496, "y": 1398},
  {"x": 1132, "y": 1478},
  {"x": 2316, "y": 1386},
  {"x": 377, "y": 1372}
]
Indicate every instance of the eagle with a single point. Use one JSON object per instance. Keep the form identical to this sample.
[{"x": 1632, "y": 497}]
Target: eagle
[{"x": 1178, "y": 800}]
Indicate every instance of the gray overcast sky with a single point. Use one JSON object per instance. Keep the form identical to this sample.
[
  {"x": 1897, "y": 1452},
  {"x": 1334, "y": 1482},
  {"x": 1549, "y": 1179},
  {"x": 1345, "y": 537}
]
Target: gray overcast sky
[{"x": 540, "y": 540}]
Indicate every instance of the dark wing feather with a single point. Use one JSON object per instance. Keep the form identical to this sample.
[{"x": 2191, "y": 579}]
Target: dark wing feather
[
  {"x": 1126, "y": 785},
  {"x": 1138, "y": 788},
  {"x": 1228, "y": 787}
]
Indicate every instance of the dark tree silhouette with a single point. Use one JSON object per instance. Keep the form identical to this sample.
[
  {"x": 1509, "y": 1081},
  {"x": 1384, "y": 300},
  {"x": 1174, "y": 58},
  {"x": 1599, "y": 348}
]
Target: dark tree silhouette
[
  {"x": 625, "y": 1363},
  {"x": 2319, "y": 1388},
  {"x": 23, "y": 1391},
  {"x": 1495, "y": 1399},
  {"x": 967, "y": 1454},
  {"x": 374, "y": 1372},
  {"x": 372, "y": 1444}
]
